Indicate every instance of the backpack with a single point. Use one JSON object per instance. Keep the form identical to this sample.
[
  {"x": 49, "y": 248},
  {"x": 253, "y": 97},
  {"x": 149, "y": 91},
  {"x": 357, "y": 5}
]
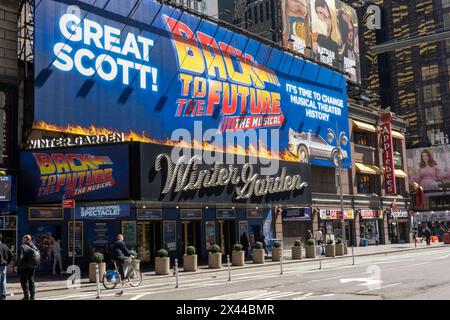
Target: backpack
[{"x": 33, "y": 256}]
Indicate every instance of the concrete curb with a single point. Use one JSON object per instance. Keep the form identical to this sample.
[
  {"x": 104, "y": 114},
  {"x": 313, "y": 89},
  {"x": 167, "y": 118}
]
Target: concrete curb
[{"x": 225, "y": 269}]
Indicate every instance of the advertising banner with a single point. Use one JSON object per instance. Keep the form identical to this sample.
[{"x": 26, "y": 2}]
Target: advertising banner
[
  {"x": 102, "y": 212},
  {"x": 297, "y": 214},
  {"x": 45, "y": 213},
  {"x": 85, "y": 173},
  {"x": 430, "y": 167},
  {"x": 5, "y": 188},
  {"x": 157, "y": 74},
  {"x": 323, "y": 29},
  {"x": 335, "y": 214},
  {"x": 371, "y": 214},
  {"x": 388, "y": 153}
]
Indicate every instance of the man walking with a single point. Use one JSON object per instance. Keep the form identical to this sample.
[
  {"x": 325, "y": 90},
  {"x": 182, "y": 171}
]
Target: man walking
[
  {"x": 5, "y": 259},
  {"x": 428, "y": 236},
  {"x": 28, "y": 258}
]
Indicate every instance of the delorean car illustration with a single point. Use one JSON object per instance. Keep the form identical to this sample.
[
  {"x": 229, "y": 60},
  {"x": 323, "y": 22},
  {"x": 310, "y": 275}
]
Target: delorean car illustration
[{"x": 308, "y": 145}]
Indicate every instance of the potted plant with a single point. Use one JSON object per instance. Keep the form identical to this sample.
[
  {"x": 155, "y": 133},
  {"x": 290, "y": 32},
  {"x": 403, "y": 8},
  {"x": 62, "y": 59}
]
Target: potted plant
[
  {"x": 136, "y": 262},
  {"x": 339, "y": 247},
  {"x": 310, "y": 248},
  {"x": 215, "y": 257},
  {"x": 190, "y": 259},
  {"x": 258, "y": 253},
  {"x": 238, "y": 255},
  {"x": 297, "y": 251},
  {"x": 277, "y": 251},
  {"x": 330, "y": 249},
  {"x": 97, "y": 259},
  {"x": 162, "y": 262}
]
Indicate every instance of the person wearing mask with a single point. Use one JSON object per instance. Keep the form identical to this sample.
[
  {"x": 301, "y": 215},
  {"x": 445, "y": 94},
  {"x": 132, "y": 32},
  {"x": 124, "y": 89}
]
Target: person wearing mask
[
  {"x": 119, "y": 252},
  {"x": 5, "y": 259},
  {"x": 28, "y": 258}
]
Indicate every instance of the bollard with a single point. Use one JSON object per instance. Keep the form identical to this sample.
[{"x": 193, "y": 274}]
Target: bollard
[
  {"x": 281, "y": 264},
  {"x": 97, "y": 279},
  {"x": 176, "y": 273},
  {"x": 229, "y": 268},
  {"x": 353, "y": 256},
  {"x": 320, "y": 260}
]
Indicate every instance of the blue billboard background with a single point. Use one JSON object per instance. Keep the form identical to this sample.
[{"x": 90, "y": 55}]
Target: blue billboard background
[
  {"x": 89, "y": 173},
  {"x": 120, "y": 66}
]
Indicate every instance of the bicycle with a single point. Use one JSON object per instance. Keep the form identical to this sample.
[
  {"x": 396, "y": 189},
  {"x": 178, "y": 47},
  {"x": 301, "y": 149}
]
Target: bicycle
[{"x": 112, "y": 278}]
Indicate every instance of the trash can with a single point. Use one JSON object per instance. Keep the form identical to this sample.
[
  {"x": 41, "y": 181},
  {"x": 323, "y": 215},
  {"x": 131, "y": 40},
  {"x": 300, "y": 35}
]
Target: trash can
[
  {"x": 447, "y": 238},
  {"x": 364, "y": 242}
]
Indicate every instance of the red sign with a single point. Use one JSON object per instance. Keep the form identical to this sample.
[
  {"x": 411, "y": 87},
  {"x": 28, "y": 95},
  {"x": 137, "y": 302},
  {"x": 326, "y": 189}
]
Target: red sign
[
  {"x": 68, "y": 203},
  {"x": 371, "y": 214},
  {"x": 388, "y": 153}
]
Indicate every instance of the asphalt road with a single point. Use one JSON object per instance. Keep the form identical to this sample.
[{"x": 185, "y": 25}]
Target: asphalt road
[{"x": 416, "y": 275}]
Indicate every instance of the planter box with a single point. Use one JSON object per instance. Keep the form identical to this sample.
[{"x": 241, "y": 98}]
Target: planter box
[
  {"x": 162, "y": 266},
  {"x": 330, "y": 250},
  {"x": 215, "y": 260},
  {"x": 277, "y": 253},
  {"x": 297, "y": 253},
  {"x": 135, "y": 262},
  {"x": 238, "y": 258},
  {"x": 310, "y": 251},
  {"x": 258, "y": 255},
  {"x": 101, "y": 271},
  {"x": 340, "y": 249},
  {"x": 190, "y": 262}
]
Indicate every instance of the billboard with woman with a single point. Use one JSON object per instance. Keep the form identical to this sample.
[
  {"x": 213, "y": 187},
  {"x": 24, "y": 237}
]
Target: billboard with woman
[{"x": 297, "y": 25}]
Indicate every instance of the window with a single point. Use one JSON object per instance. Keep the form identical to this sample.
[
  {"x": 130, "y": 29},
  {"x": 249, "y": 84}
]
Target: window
[
  {"x": 362, "y": 138},
  {"x": 255, "y": 9},
  {"x": 261, "y": 13},
  {"x": 430, "y": 72},
  {"x": 433, "y": 115},
  {"x": 267, "y": 11},
  {"x": 431, "y": 93},
  {"x": 437, "y": 203},
  {"x": 400, "y": 185},
  {"x": 365, "y": 183}
]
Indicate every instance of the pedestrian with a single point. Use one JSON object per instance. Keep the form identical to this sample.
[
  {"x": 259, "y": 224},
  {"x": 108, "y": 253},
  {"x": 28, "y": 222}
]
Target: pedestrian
[
  {"x": 428, "y": 236},
  {"x": 57, "y": 257},
  {"x": 441, "y": 233},
  {"x": 28, "y": 258},
  {"x": 308, "y": 235},
  {"x": 244, "y": 242},
  {"x": 5, "y": 259},
  {"x": 119, "y": 252},
  {"x": 263, "y": 240},
  {"x": 319, "y": 237}
]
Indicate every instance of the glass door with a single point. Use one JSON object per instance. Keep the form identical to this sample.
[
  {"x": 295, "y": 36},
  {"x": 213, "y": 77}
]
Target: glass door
[{"x": 143, "y": 234}]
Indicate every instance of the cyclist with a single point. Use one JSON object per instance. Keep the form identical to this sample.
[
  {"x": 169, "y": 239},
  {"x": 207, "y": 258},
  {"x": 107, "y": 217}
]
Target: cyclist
[{"x": 119, "y": 252}]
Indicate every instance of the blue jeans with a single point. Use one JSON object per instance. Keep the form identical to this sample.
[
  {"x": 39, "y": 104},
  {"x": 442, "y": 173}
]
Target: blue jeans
[{"x": 3, "y": 281}]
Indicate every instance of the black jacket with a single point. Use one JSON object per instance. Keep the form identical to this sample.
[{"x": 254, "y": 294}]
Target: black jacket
[
  {"x": 5, "y": 255},
  {"x": 119, "y": 250},
  {"x": 22, "y": 260}
]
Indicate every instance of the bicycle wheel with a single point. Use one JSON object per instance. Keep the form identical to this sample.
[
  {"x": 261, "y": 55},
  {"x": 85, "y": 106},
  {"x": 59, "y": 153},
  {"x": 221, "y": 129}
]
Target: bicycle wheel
[
  {"x": 135, "y": 278},
  {"x": 109, "y": 282}
]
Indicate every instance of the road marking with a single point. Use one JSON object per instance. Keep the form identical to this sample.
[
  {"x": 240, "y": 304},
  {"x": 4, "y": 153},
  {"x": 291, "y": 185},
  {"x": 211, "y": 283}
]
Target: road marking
[
  {"x": 137, "y": 297},
  {"x": 387, "y": 286},
  {"x": 283, "y": 295}
]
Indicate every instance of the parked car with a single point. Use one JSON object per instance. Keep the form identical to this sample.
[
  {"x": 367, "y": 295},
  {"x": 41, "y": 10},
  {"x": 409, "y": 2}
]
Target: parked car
[{"x": 308, "y": 145}]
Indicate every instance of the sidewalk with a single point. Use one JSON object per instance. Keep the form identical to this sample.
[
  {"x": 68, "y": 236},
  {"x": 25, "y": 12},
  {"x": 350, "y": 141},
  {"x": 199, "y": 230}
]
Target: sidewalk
[{"x": 58, "y": 282}]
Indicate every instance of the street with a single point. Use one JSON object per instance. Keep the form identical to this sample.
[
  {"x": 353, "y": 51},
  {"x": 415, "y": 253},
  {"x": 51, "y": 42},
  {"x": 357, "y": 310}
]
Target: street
[{"x": 403, "y": 275}]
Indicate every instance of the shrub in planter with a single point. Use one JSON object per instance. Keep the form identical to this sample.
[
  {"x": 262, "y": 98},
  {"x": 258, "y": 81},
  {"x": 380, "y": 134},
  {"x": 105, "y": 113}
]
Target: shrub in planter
[
  {"x": 310, "y": 249},
  {"x": 330, "y": 249},
  {"x": 215, "y": 257},
  {"x": 190, "y": 259},
  {"x": 297, "y": 251},
  {"x": 277, "y": 251},
  {"x": 258, "y": 253},
  {"x": 162, "y": 262},
  {"x": 238, "y": 255},
  {"x": 97, "y": 259}
]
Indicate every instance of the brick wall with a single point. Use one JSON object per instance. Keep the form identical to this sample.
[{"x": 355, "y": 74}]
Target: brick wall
[{"x": 8, "y": 41}]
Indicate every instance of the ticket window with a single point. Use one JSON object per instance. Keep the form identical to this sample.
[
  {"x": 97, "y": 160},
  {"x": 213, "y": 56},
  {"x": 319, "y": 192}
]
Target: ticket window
[{"x": 191, "y": 235}]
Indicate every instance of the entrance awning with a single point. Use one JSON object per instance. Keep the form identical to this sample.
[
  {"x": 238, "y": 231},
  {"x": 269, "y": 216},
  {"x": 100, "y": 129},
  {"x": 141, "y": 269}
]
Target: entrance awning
[
  {"x": 400, "y": 173},
  {"x": 364, "y": 126},
  {"x": 397, "y": 135},
  {"x": 367, "y": 168}
]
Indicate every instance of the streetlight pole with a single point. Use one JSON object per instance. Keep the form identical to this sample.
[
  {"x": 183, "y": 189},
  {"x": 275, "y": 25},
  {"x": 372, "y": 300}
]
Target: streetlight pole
[{"x": 340, "y": 156}]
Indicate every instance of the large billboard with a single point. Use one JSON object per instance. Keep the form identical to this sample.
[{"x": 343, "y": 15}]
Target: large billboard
[
  {"x": 84, "y": 173},
  {"x": 430, "y": 167},
  {"x": 323, "y": 29},
  {"x": 148, "y": 70}
]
